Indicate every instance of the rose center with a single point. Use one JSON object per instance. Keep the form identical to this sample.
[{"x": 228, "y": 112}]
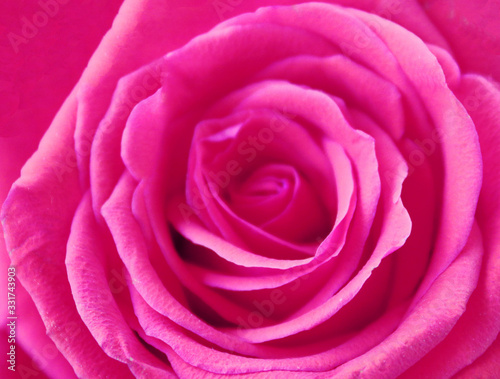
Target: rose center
[{"x": 279, "y": 200}]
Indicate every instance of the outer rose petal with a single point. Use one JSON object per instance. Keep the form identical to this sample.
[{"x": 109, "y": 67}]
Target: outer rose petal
[
  {"x": 480, "y": 324},
  {"x": 38, "y": 248},
  {"x": 30, "y": 97},
  {"x": 483, "y": 99},
  {"x": 36, "y": 353}
]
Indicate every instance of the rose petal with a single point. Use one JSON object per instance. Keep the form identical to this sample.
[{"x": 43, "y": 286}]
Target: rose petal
[
  {"x": 347, "y": 79},
  {"x": 102, "y": 134},
  {"x": 168, "y": 336},
  {"x": 429, "y": 321},
  {"x": 477, "y": 330},
  {"x": 38, "y": 249},
  {"x": 94, "y": 299},
  {"x": 486, "y": 365},
  {"x": 450, "y": 67},
  {"x": 461, "y": 153}
]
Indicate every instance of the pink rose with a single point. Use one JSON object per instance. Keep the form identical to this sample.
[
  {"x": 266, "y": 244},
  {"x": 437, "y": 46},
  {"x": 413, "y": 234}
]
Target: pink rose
[{"x": 265, "y": 188}]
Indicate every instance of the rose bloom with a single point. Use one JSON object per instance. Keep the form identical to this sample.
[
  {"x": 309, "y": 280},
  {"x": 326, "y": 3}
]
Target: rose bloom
[{"x": 257, "y": 189}]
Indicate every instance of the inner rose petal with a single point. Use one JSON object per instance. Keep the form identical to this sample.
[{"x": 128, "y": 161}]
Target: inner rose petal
[
  {"x": 341, "y": 134},
  {"x": 271, "y": 94},
  {"x": 224, "y": 155},
  {"x": 278, "y": 200},
  {"x": 263, "y": 195}
]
